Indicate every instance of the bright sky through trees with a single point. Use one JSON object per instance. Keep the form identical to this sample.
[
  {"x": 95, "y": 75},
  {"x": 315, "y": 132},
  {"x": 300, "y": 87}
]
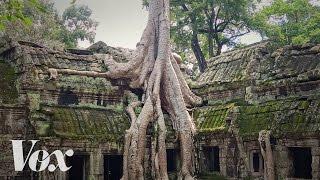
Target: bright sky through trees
[{"x": 121, "y": 22}]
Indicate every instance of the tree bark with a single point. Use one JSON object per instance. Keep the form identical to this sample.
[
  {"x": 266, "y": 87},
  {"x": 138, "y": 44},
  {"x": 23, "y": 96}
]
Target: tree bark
[
  {"x": 211, "y": 30},
  {"x": 244, "y": 159},
  {"x": 266, "y": 151},
  {"x": 195, "y": 45},
  {"x": 210, "y": 45},
  {"x": 219, "y": 49},
  {"x": 153, "y": 68},
  {"x": 202, "y": 63}
]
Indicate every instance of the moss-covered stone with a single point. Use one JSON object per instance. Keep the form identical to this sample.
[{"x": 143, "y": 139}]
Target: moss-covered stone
[
  {"x": 8, "y": 90},
  {"x": 212, "y": 119},
  {"x": 85, "y": 84},
  {"x": 34, "y": 101},
  {"x": 210, "y": 176},
  {"x": 43, "y": 128},
  {"x": 88, "y": 123},
  {"x": 281, "y": 117}
]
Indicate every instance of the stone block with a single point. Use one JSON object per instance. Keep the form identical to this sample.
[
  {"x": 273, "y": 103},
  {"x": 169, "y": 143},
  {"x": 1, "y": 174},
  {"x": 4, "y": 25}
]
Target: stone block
[{"x": 315, "y": 151}]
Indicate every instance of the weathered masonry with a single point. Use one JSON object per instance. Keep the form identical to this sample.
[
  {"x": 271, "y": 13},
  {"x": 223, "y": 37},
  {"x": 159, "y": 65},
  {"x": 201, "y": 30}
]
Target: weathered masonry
[{"x": 244, "y": 91}]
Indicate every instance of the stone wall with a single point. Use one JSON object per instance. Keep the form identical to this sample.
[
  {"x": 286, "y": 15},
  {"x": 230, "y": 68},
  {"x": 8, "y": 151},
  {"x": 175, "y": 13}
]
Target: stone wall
[
  {"x": 266, "y": 90},
  {"x": 245, "y": 91},
  {"x": 73, "y": 112}
]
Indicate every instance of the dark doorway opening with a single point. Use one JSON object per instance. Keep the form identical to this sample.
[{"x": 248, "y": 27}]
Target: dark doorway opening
[
  {"x": 67, "y": 97},
  {"x": 212, "y": 160},
  {"x": 172, "y": 160},
  {"x": 79, "y": 169},
  {"x": 113, "y": 165},
  {"x": 301, "y": 162},
  {"x": 256, "y": 162}
]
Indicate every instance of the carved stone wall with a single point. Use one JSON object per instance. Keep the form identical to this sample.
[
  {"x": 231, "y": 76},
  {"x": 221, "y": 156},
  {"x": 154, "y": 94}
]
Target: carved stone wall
[{"x": 245, "y": 91}]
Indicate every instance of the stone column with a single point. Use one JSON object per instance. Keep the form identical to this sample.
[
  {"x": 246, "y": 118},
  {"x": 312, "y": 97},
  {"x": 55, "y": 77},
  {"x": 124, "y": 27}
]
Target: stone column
[
  {"x": 96, "y": 165},
  {"x": 61, "y": 175},
  {"x": 315, "y": 152},
  {"x": 223, "y": 159},
  {"x": 282, "y": 162}
]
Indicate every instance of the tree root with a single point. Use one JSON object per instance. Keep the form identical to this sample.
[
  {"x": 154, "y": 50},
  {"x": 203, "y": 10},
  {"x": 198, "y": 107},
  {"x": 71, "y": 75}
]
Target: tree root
[
  {"x": 266, "y": 151},
  {"x": 153, "y": 68}
]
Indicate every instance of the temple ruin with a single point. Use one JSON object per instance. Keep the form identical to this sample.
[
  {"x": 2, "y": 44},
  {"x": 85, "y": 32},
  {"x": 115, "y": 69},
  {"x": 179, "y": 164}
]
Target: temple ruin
[{"x": 245, "y": 91}]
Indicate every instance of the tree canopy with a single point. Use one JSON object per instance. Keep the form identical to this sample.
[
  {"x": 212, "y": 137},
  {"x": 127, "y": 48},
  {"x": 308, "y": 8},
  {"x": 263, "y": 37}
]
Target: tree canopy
[
  {"x": 206, "y": 26},
  {"x": 289, "y": 22},
  {"x": 13, "y": 11},
  {"x": 38, "y": 21},
  {"x": 78, "y": 25}
]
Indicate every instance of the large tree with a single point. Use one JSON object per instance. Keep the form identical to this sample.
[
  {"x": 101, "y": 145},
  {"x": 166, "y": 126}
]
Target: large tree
[
  {"x": 38, "y": 21},
  {"x": 289, "y": 22},
  {"x": 206, "y": 26},
  {"x": 154, "y": 69},
  {"x": 77, "y": 25},
  {"x": 12, "y": 10}
]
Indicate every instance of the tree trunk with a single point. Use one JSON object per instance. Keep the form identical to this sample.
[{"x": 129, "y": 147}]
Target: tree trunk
[
  {"x": 153, "y": 68},
  {"x": 211, "y": 29},
  {"x": 219, "y": 49},
  {"x": 266, "y": 151},
  {"x": 244, "y": 159},
  {"x": 202, "y": 63},
  {"x": 210, "y": 45}
]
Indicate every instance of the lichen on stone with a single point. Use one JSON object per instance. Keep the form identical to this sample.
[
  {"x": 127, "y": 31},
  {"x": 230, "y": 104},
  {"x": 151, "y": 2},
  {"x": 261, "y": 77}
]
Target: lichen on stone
[
  {"x": 87, "y": 123},
  {"x": 8, "y": 78},
  {"x": 282, "y": 117},
  {"x": 212, "y": 119}
]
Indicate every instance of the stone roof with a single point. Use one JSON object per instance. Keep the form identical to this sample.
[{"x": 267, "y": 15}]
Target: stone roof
[
  {"x": 31, "y": 63},
  {"x": 254, "y": 86},
  {"x": 233, "y": 66},
  {"x": 211, "y": 119},
  {"x": 276, "y": 90},
  {"x": 93, "y": 107},
  {"x": 82, "y": 123},
  {"x": 286, "y": 118},
  {"x": 260, "y": 63},
  {"x": 245, "y": 74}
]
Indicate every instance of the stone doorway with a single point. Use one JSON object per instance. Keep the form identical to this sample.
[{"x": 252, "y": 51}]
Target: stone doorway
[
  {"x": 212, "y": 159},
  {"x": 79, "y": 169},
  {"x": 301, "y": 162},
  {"x": 256, "y": 162},
  {"x": 113, "y": 166},
  {"x": 172, "y": 160}
]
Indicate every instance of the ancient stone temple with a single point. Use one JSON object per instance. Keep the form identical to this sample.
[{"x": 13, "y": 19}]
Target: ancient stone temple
[{"x": 245, "y": 91}]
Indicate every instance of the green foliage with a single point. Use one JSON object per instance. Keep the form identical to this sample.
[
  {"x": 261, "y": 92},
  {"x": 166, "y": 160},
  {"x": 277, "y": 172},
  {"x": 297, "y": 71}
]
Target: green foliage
[
  {"x": 289, "y": 22},
  {"x": 12, "y": 10},
  {"x": 217, "y": 22},
  {"x": 43, "y": 28},
  {"x": 38, "y": 21},
  {"x": 78, "y": 25}
]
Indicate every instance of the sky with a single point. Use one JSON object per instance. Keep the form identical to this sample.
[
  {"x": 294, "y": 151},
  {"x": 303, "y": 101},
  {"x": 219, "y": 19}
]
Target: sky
[{"x": 121, "y": 22}]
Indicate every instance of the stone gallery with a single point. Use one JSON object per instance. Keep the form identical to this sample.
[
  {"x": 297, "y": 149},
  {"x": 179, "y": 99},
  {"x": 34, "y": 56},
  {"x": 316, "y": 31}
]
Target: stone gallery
[{"x": 260, "y": 113}]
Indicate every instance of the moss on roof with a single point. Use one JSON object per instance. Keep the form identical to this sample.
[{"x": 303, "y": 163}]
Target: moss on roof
[
  {"x": 85, "y": 84},
  {"x": 87, "y": 123},
  {"x": 232, "y": 66},
  {"x": 212, "y": 119},
  {"x": 282, "y": 117}
]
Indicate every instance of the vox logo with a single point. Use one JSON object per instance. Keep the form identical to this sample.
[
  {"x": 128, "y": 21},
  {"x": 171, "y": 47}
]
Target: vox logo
[{"x": 38, "y": 160}]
